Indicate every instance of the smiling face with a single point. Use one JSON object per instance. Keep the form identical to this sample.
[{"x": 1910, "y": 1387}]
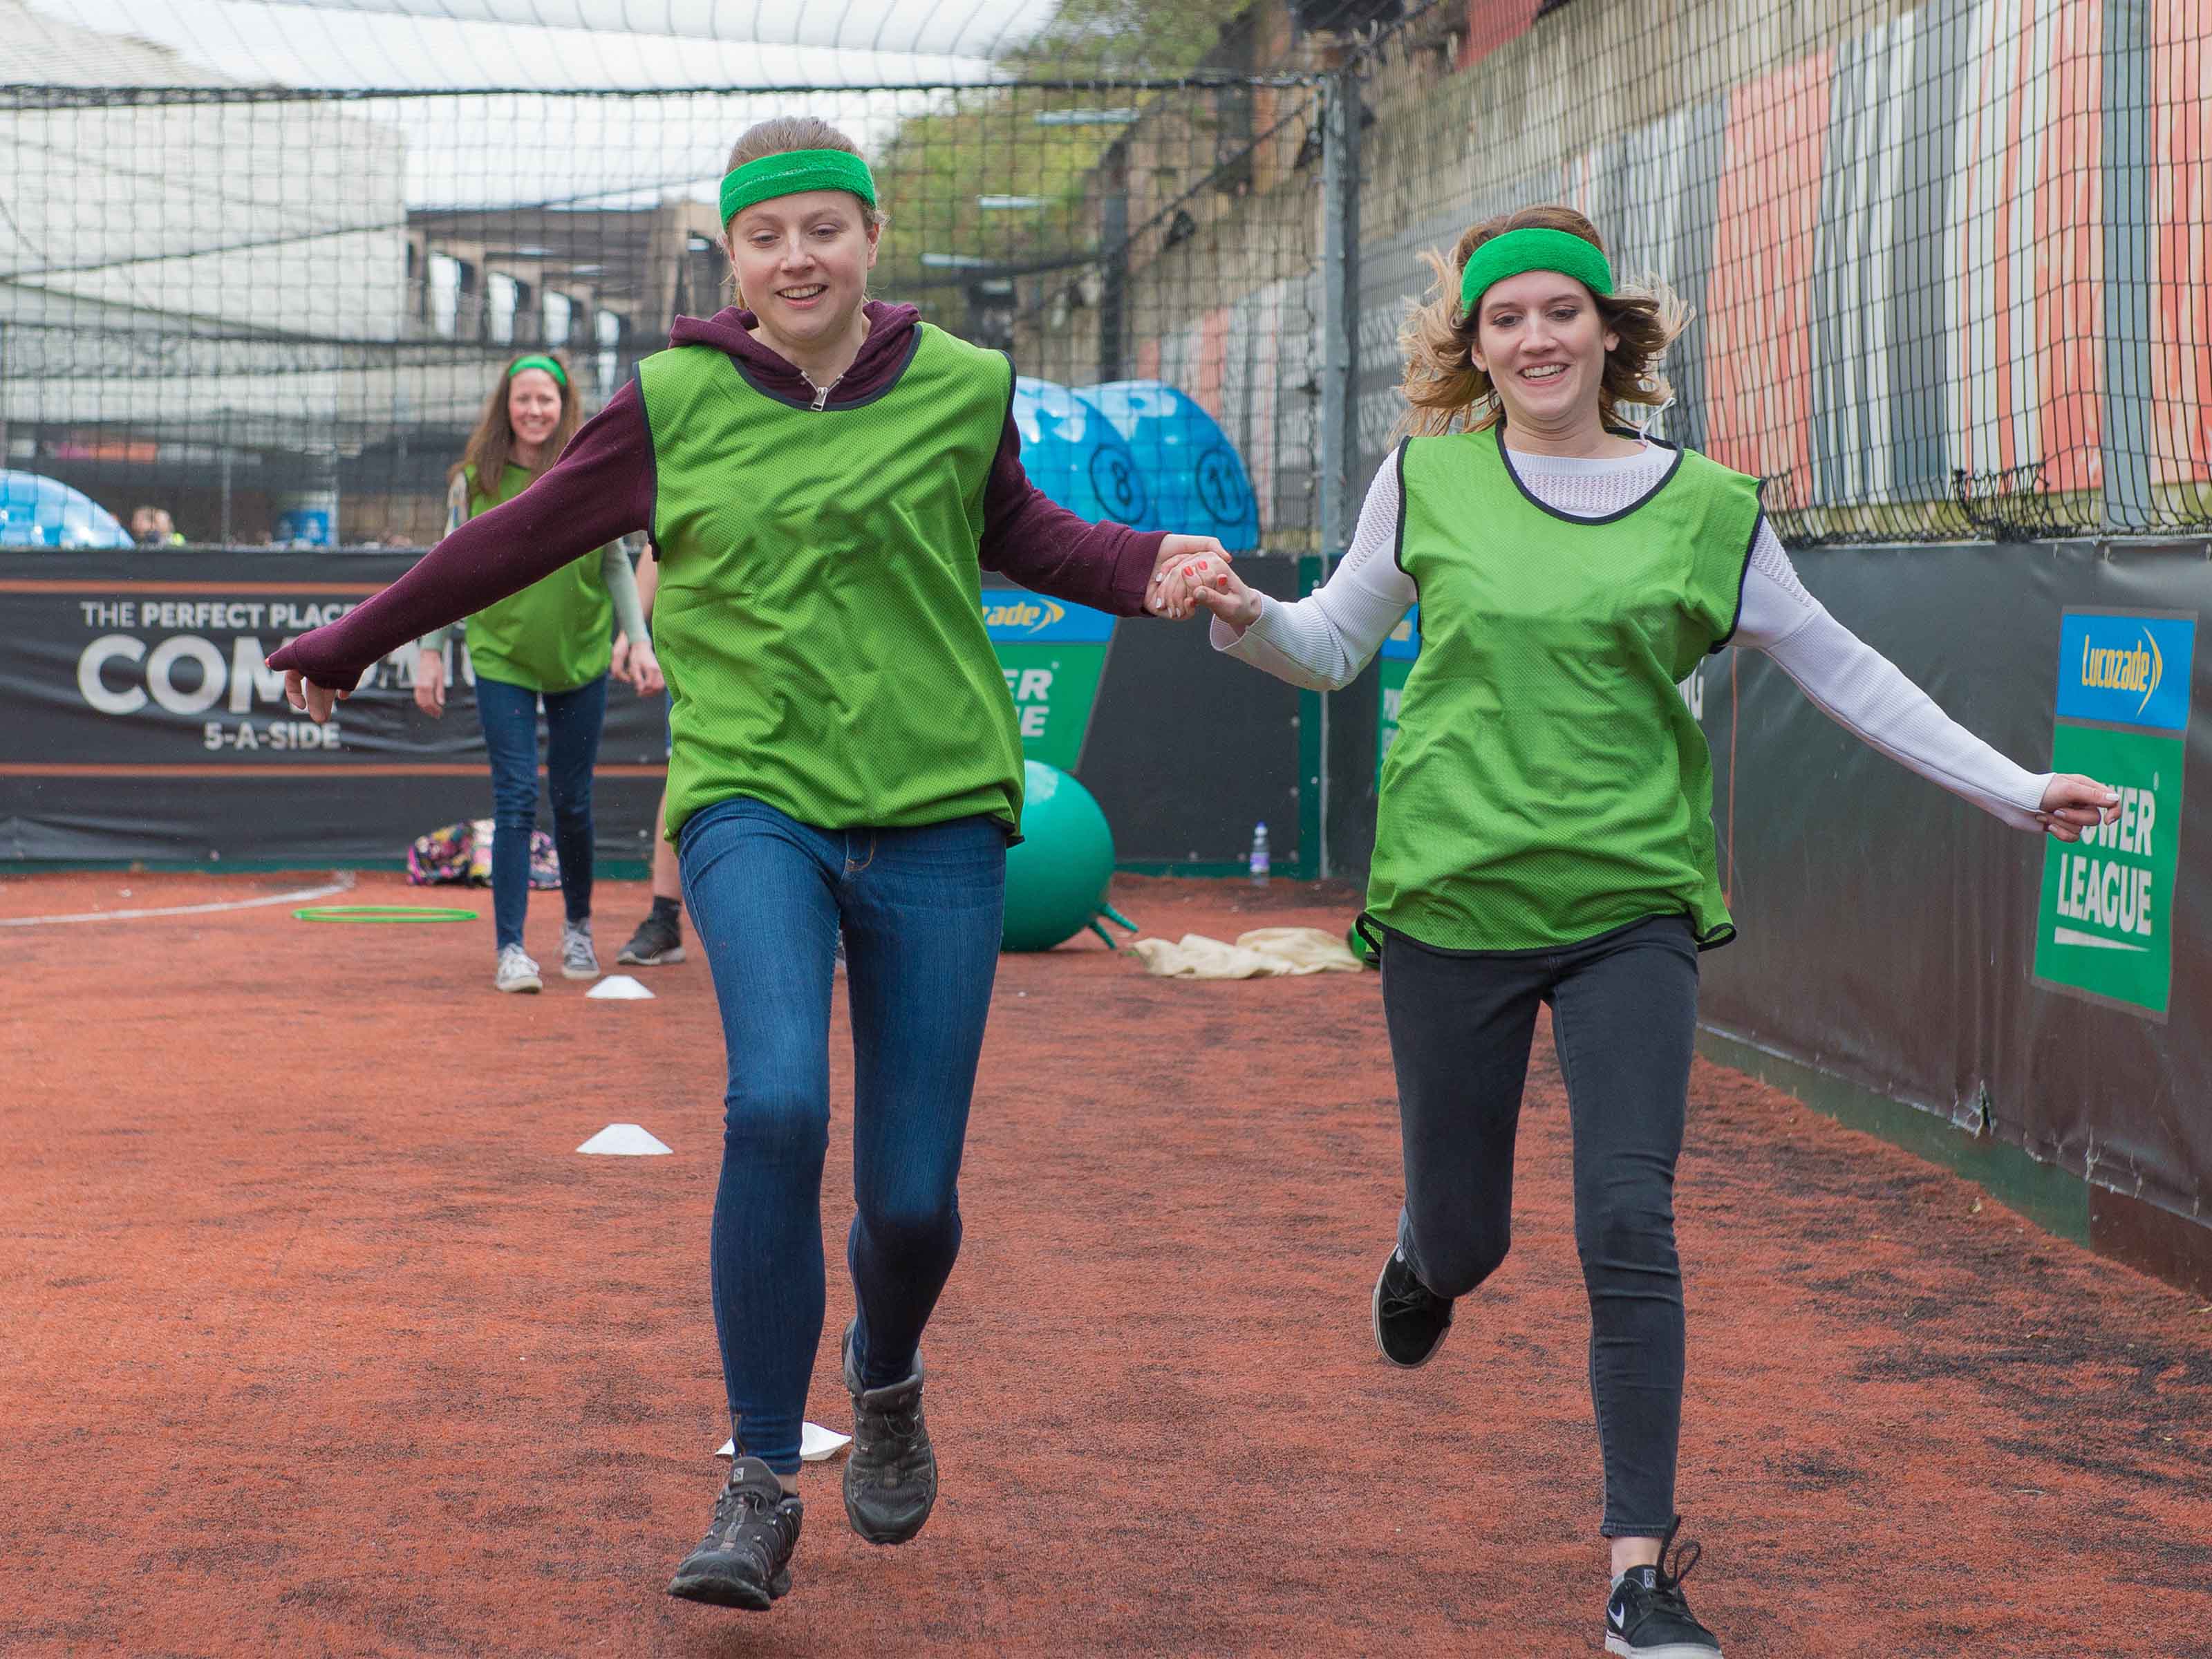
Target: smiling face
[
  {"x": 533, "y": 409},
  {"x": 801, "y": 264},
  {"x": 1542, "y": 342}
]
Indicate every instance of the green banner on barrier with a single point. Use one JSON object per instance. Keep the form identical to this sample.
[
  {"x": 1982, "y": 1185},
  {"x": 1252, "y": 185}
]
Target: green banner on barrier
[
  {"x": 1053, "y": 654},
  {"x": 1393, "y": 662},
  {"x": 2104, "y": 930}
]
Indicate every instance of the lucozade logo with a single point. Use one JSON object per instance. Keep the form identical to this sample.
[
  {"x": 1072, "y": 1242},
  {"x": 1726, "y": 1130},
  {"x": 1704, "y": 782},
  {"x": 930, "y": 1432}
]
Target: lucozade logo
[
  {"x": 2124, "y": 670},
  {"x": 1022, "y": 616},
  {"x": 2138, "y": 668}
]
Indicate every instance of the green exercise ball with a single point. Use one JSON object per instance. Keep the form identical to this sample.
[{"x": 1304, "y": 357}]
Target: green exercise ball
[{"x": 1056, "y": 877}]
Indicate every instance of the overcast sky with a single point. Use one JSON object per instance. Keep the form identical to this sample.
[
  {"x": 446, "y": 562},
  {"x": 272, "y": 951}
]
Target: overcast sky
[{"x": 574, "y": 43}]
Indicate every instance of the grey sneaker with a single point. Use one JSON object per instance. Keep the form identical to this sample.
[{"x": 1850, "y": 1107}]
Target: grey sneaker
[
  {"x": 745, "y": 1560},
  {"x": 890, "y": 1473},
  {"x": 657, "y": 942},
  {"x": 517, "y": 972},
  {"x": 578, "y": 959}
]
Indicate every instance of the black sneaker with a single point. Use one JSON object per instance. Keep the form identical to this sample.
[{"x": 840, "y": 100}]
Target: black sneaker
[
  {"x": 1646, "y": 1617},
  {"x": 658, "y": 943},
  {"x": 745, "y": 1560},
  {"x": 890, "y": 1473},
  {"x": 1410, "y": 1319}
]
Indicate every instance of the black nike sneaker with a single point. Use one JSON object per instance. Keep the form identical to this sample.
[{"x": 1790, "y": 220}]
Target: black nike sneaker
[
  {"x": 1410, "y": 1319},
  {"x": 745, "y": 1560},
  {"x": 890, "y": 1473},
  {"x": 1646, "y": 1617}
]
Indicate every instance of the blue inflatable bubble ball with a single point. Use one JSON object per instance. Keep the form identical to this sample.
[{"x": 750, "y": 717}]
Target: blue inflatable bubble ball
[
  {"x": 1073, "y": 454},
  {"x": 1197, "y": 480},
  {"x": 36, "y": 511},
  {"x": 1058, "y": 874}
]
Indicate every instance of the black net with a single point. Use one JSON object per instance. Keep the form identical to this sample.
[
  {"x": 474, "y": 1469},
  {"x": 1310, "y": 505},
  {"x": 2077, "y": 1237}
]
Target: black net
[
  {"x": 1951, "y": 264},
  {"x": 276, "y": 315}
]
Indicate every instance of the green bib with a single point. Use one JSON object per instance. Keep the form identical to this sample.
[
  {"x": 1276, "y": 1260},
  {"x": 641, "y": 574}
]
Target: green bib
[
  {"x": 1547, "y": 783},
  {"x": 819, "y": 616},
  {"x": 556, "y": 634}
]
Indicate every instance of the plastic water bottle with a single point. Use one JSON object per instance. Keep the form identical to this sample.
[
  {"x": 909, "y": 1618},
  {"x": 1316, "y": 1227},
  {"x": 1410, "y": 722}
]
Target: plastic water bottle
[{"x": 1260, "y": 855}]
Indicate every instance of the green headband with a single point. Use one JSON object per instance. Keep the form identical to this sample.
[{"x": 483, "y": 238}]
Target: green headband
[
  {"x": 545, "y": 363},
  {"x": 1533, "y": 248},
  {"x": 791, "y": 172}
]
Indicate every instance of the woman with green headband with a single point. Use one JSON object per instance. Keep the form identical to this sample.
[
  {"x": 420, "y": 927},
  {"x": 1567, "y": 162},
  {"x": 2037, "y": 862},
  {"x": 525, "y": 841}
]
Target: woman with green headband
[
  {"x": 824, "y": 478},
  {"x": 552, "y": 641},
  {"x": 1544, "y": 832}
]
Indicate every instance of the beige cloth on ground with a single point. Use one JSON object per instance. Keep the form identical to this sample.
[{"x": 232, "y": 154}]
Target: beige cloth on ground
[{"x": 1263, "y": 953}]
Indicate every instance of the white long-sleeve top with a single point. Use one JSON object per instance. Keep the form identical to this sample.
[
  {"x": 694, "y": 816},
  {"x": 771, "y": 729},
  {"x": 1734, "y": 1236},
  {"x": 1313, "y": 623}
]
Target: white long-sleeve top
[{"x": 1321, "y": 642}]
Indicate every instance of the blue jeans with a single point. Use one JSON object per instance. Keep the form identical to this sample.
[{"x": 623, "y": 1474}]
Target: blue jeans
[
  {"x": 922, "y": 915},
  {"x": 572, "y": 719}
]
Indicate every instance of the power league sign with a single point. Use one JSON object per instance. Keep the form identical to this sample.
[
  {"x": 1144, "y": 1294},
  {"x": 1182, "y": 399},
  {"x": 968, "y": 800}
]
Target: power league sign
[
  {"x": 2104, "y": 928},
  {"x": 1053, "y": 654}
]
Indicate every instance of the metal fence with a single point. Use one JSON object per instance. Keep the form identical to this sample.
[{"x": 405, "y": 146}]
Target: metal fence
[
  {"x": 1951, "y": 264},
  {"x": 276, "y": 314}
]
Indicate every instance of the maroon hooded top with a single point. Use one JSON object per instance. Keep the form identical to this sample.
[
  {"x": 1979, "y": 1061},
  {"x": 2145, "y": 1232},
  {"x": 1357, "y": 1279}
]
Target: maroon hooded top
[{"x": 602, "y": 489}]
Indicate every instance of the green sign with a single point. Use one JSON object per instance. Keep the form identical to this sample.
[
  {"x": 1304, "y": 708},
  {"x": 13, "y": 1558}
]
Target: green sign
[
  {"x": 1393, "y": 662},
  {"x": 1053, "y": 654},
  {"x": 2104, "y": 931}
]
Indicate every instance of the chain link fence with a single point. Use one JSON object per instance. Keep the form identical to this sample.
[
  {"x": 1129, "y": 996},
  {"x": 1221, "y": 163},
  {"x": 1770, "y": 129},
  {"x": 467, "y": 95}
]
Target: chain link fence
[
  {"x": 1951, "y": 264},
  {"x": 274, "y": 315}
]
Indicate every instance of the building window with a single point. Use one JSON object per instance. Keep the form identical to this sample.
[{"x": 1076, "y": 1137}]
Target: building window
[
  {"x": 607, "y": 331},
  {"x": 560, "y": 318},
  {"x": 445, "y": 274},
  {"x": 502, "y": 297}
]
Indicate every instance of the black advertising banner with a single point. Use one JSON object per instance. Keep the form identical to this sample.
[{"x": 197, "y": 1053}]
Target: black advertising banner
[
  {"x": 137, "y": 721},
  {"x": 2055, "y": 995},
  {"x": 141, "y": 723}
]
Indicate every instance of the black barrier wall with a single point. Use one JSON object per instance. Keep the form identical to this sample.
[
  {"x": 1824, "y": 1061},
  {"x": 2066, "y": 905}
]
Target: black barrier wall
[
  {"x": 137, "y": 723},
  {"x": 2054, "y": 997}
]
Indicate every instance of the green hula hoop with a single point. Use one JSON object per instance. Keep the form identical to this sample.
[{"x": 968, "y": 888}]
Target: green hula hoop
[{"x": 382, "y": 913}]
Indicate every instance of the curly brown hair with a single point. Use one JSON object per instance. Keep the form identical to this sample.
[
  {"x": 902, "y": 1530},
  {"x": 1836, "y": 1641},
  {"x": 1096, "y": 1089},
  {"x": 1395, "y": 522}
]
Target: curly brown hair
[{"x": 1445, "y": 391}]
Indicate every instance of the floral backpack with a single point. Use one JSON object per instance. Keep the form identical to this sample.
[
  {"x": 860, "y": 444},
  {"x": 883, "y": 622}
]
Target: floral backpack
[{"x": 460, "y": 855}]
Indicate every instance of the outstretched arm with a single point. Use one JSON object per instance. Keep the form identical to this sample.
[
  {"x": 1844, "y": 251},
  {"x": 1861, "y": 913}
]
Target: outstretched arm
[
  {"x": 1320, "y": 643},
  {"x": 1108, "y": 567},
  {"x": 598, "y": 491},
  {"x": 1867, "y": 695}
]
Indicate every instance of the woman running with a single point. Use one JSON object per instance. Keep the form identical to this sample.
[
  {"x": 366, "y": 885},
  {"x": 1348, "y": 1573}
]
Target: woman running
[
  {"x": 552, "y": 641},
  {"x": 1545, "y": 832},
  {"x": 823, "y": 477}
]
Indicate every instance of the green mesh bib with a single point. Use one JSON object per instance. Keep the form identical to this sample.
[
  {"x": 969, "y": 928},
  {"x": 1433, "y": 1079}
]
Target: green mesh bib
[
  {"x": 556, "y": 634},
  {"x": 1548, "y": 782},
  {"x": 819, "y": 615}
]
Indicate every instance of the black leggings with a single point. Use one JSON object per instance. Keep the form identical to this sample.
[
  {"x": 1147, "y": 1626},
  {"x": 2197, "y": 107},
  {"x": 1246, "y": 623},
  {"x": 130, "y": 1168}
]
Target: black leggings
[{"x": 1623, "y": 1013}]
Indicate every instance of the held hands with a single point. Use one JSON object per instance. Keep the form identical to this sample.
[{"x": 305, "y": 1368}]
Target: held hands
[
  {"x": 1170, "y": 592},
  {"x": 1222, "y": 591},
  {"x": 429, "y": 685},
  {"x": 634, "y": 664},
  {"x": 2072, "y": 803}
]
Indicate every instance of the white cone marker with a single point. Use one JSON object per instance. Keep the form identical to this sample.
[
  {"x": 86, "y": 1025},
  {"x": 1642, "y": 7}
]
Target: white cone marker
[
  {"x": 618, "y": 987},
  {"x": 624, "y": 1140},
  {"x": 816, "y": 1444}
]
